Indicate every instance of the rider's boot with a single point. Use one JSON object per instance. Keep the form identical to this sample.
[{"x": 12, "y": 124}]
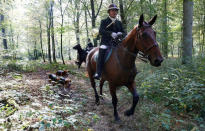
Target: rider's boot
[{"x": 100, "y": 63}]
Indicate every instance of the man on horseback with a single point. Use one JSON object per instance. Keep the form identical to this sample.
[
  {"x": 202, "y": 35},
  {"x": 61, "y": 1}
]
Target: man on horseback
[
  {"x": 89, "y": 46},
  {"x": 110, "y": 28}
]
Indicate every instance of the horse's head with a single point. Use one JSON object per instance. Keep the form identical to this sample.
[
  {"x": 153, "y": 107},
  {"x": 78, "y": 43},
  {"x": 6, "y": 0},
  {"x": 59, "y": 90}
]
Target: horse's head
[
  {"x": 77, "y": 47},
  {"x": 146, "y": 41}
]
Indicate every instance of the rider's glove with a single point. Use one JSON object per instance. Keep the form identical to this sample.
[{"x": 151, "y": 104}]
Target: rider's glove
[
  {"x": 119, "y": 33},
  {"x": 114, "y": 35}
]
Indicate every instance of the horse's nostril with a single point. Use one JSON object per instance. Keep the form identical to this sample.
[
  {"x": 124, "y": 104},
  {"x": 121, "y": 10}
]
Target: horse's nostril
[{"x": 158, "y": 62}]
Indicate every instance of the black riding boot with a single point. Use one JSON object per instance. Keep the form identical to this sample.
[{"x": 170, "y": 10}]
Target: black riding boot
[{"x": 100, "y": 63}]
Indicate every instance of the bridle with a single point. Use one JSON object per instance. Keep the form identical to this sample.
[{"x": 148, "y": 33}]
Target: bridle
[{"x": 144, "y": 53}]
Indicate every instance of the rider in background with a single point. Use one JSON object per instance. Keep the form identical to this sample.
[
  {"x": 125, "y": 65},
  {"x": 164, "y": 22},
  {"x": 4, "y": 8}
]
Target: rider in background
[
  {"x": 110, "y": 28},
  {"x": 89, "y": 45}
]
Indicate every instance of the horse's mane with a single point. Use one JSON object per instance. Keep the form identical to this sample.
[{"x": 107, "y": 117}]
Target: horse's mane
[{"x": 129, "y": 36}]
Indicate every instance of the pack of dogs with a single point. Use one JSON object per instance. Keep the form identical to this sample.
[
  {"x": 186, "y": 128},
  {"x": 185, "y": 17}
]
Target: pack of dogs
[{"x": 60, "y": 78}]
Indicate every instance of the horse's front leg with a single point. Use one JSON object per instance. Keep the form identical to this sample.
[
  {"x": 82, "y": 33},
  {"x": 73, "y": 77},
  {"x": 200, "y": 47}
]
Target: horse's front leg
[
  {"x": 135, "y": 95},
  {"x": 114, "y": 101}
]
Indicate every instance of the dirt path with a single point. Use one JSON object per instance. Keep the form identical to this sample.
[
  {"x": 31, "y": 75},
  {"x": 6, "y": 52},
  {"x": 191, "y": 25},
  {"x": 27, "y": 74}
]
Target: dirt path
[{"x": 37, "y": 105}]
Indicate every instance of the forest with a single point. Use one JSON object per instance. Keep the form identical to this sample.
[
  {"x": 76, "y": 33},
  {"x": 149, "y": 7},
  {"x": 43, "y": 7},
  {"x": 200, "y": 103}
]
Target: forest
[{"x": 45, "y": 85}]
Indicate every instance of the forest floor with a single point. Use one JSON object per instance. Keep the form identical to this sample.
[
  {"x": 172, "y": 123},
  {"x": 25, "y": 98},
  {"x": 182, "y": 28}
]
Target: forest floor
[{"x": 29, "y": 102}]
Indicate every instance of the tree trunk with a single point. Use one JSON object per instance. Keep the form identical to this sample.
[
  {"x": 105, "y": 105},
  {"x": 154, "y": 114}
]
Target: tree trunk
[
  {"x": 94, "y": 16},
  {"x": 35, "y": 51},
  {"x": 69, "y": 56},
  {"x": 3, "y": 32},
  {"x": 122, "y": 15},
  {"x": 164, "y": 31},
  {"x": 93, "y": 13},
  {"x": 41, "y": 41},
  {"x": 62, "y": 20},
  {"x": 203, "y": 46},
  {"x": 52, "y": 31},
  {"x": 48, "y": 38},
  {"x": 187, "y": 31},
  {"x": 76, "y": 23},
  {"x": 86, "y": 24}
]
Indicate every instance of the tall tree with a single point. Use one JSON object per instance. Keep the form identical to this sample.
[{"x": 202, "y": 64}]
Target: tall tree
[
  {"x": 86, "y": 24},
  {"x": 187, "y": 31},
  {"x": 122, "y": 15},
  {"x": 93, "y": 15},
  {"x": 164, "y": 30},
  {"x": 3, "y": 30},
  {"x": 48, "y": 26},
  {"x": 62, "y": 28},
  {"x": 41, "y": 41},
  {"x": 52, "y": 30}
]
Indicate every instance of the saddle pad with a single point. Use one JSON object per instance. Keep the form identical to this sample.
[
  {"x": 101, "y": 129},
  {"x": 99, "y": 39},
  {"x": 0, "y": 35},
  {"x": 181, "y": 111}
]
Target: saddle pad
[{"x": 107, "y": 55}]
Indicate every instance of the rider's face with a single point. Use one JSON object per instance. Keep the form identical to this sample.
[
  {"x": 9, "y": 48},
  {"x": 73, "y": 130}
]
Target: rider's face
[{"x": 113, "y": 13}]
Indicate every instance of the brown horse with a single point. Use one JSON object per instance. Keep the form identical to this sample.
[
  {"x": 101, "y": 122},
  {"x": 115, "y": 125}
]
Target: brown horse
[{"x": 120, "y": 69}]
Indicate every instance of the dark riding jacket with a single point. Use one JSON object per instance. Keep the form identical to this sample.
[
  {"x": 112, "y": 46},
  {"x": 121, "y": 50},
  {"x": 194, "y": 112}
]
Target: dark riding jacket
[{"x": 106, "y": 32}]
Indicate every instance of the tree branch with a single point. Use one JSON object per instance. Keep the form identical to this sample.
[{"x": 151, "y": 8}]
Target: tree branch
[{"x": 99, "y": 9}]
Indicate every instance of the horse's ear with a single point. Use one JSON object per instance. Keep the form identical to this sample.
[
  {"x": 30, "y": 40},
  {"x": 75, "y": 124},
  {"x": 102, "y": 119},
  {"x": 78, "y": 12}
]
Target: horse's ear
[
  {"x": 152, "y": 21},
  {"x": 141, "y": 20}
]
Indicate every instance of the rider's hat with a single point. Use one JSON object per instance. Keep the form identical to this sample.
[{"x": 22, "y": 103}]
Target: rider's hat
[{"x": 112, "y": 7}]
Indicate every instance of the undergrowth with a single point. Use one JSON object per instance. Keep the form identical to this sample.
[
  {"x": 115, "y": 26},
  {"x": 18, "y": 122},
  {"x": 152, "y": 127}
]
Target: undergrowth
[{"x": 178, "y": 87}]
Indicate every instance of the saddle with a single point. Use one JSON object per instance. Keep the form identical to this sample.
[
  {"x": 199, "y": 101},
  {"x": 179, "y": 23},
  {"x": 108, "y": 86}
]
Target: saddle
[
  {"x": 114, "y": 42},
  {"x": 107, "y": 54}
]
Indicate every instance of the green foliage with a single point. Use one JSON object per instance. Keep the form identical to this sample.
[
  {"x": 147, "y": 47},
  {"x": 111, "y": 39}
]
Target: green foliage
[{"x": 179, "y": 87}]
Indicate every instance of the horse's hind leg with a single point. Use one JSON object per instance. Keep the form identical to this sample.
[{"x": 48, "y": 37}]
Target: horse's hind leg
[
  {"x": 132, "y": 89},
  {"x": 101, "y": 85}
]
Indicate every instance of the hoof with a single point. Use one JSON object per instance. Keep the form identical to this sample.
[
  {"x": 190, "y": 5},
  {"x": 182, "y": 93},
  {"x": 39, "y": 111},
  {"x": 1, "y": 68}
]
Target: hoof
[
  {"x": 97, "y": 103},
  {"x": 129, "y": 113}
]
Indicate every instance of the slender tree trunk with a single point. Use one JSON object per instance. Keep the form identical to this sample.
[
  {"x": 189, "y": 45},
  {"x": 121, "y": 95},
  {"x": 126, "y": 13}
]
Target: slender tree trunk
[
  {"x": 187, "y": 31},
  {"x": 76, "y": 23},
  {"x": 48, "y": 39},
  {"x": 86, "y": 24},
  {"x": 122, "y": 15},
  {"x": 62, "y": 20},
  {"x": 35, "y": 51},
  {"x": 52, "y": 32},
  {"x": 94, "y": 16},
  {"x": 93, "y": 13},
  {"x": 3, "y": 32},
  {"x": 203, "y": 46},
  {"x": 12, "y": 37},
  {"x": 41, "y": 41},
  {"x": 164, "y": 31},
  {"x": 69, "y": 51}
]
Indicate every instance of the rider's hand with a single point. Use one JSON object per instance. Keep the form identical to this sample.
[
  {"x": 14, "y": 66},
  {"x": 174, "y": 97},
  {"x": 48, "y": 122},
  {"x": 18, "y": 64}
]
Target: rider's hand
[
  {"x": 114, "y": 35},
  {"x": 119, "y": 33}
]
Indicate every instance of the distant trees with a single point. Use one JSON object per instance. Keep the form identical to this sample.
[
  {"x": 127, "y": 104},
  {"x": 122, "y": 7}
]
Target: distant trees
[{"x": 67, "y": 22}]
